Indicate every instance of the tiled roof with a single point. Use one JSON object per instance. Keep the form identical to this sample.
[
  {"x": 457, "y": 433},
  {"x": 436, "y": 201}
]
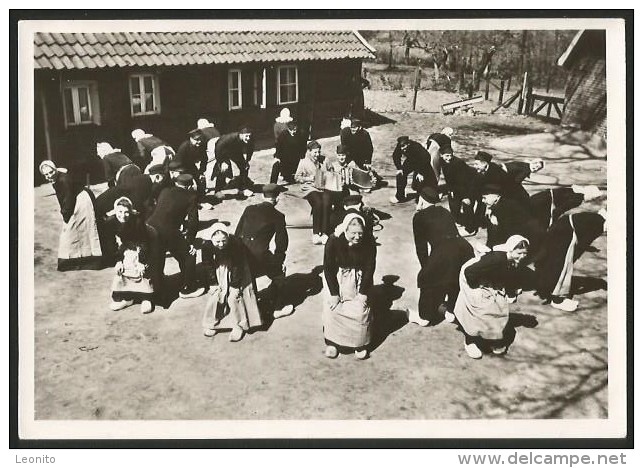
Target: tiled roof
[{"x": 122, "y": 49}]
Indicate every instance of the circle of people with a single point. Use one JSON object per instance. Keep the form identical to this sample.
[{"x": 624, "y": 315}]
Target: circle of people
[{"x": 151, "y": 207}]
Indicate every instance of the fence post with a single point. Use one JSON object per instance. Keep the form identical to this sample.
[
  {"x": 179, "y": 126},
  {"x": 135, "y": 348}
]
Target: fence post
[
  {"x": 523, "y": 95},
  {"x": 416, "y": 85},
  {"x": 501, "y": 93},
  {"x": 509, "y": 83},
  {"x": 486, "y": 87}
]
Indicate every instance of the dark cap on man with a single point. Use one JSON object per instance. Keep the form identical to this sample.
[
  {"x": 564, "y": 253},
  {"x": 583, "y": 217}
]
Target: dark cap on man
[
  {"x": 292, "y": 124},
  {"x": 245, "y": 130},
  {"x": 313, "y": 144},
  {"x": 491, "y": 189},
  {"x": 175, "y": 165},
  {"x": 185, "y": 180},
  {"x": 351, "y": 200},
  {"x": 196, "y": 133},
  {"x": 402, "y": 140},
  {"x": 356, "y": 122},
  {"x": 341, "y": 149},
  {"x": 429, "y": 194},
  {"x": 446, "y": 150},
  {"x": 483, "y": 156},
  {"x": 156, "y": 169},
  {"x": 271, "y": 190}
]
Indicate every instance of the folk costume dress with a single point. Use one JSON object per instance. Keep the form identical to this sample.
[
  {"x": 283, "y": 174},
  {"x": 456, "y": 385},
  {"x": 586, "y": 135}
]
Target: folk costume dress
[
  {"x": 79, "y": 246},
  {"x": 348, "y": 271},
  {"x": 229, "y": 268},
  {"x": 136, "y": 244},
  {"x": 482, "y": 308},
  {"x": 567, "y": 239}
]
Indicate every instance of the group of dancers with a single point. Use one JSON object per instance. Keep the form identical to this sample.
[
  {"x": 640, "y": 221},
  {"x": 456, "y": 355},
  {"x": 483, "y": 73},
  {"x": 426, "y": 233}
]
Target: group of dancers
[{"x": 151, "y": 207}]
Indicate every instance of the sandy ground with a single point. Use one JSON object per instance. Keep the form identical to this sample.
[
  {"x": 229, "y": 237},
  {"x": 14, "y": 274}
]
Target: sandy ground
[{"x": 91, "y": 363}]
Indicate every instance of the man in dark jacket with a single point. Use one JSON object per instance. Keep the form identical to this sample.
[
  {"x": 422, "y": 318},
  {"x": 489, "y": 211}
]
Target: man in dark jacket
[
  {"x": 192, "y": 158},
  {"x": 358, "y": 144},
  {"x": 234, "y": 148},
  {"x": 411, "y": 157},
  {"x": 441, "y": 253},
  {"x": 458, "y": 175},
  {"x": 258, "y": 227},
  {"x": 505, "y": 217},
  {"x": 520, "y": 170},
  {"x": 289, "y": 149},
  {"x": 490, "y": 173},
  {"x": 176, "y": 208}
]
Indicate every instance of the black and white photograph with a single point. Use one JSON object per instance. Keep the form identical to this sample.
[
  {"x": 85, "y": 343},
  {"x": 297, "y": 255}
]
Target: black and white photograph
[{"x": 322, "y": 228}]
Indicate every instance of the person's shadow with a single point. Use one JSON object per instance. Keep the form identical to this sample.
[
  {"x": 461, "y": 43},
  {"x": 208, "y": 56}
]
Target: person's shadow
[
  {"x": 385, "y": 319},
  {"x": 517, "y": 320},
  {"x": 585, "y": 284},
  {"x": 296, "y": 289}
]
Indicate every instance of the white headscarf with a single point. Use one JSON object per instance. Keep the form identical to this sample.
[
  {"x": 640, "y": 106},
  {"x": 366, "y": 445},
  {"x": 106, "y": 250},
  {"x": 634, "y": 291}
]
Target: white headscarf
[
  {"x": 138, "y": 134},
  {"x": 127, "y": 203},
  {"x": 448, "y": 131},
  {"x": 48, "y": 163},
  {"x": 284, "y": 116},
  {"x": 511, "y": 243},
  {"x": 204, "y": 123},
  {"x": 343, "y": 226},
  {"x": 103, "y": 149}
]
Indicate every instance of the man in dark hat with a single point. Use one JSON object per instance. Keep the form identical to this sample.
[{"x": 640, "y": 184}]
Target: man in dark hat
[
  {"x": 177, "y": 208},
  {"x": 520, "y": 170},
  {"x": 441, "y": 253},
  {"x": 504, "y": 217},
  {"x": 458, "y": 176},
  {"x": 411, "y": 157},
  {"x": 259, "y": 226},
  {"x": 234, "y": 149},
  {"x": 490, "y": 173},
  {"x": 191, "y": 156},
  {"x": 358, "y": 144},
  {"x": 289, "y": 149}
]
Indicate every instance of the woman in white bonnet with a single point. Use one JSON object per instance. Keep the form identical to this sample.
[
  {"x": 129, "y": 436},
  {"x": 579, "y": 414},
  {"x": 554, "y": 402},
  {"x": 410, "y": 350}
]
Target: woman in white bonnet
[
  {"x": 349, "y": 266},
  {"x": 487, "y": 285},
  {"x": 79, "y": 245},
  {"x": 232, "y": 303},
  {"x": 281, "y": 122}
]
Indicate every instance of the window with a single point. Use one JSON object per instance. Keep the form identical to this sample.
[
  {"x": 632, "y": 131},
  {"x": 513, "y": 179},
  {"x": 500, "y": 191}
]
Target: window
[
  {"x": 80, "y": 103},
  {"x": 234, "y": 89},
  {"x": 259, "y": 88},
  {"x": 144, "y": 94},
  {"x": 287, "y": 86}
]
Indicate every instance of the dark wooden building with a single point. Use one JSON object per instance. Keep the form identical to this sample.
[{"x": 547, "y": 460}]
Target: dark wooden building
[
  {"x": 91, "y": 87},
  {"x": 585, "y": 91}
]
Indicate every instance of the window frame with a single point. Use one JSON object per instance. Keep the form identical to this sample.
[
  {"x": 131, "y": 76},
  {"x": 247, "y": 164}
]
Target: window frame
[
  {"x": 156, "y": 95},
  {"x": 279, "y": 84},
  {"x": 92, "y": 101},
  {"x": 239, "y": 90}
]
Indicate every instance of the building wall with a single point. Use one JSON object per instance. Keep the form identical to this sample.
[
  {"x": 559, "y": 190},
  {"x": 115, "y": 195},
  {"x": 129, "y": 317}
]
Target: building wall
[
  {"x": 327, "y": 90},
  {"x": 586, "y": 96}
]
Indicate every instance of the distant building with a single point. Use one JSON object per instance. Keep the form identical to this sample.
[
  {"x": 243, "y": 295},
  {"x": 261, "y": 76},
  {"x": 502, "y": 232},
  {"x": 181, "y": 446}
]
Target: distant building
[
  {"x": 585, "y": 92},
  {"x": 100, "y": 86}
]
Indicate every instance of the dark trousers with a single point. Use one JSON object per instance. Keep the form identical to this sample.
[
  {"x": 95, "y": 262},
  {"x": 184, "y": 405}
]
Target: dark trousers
[
  {"x": 286, "y": 168},
  {"x": 401, "y": 180},
  {"x": 179, "y": 248},
  {"x": 465, "y": 214},
  {"x": 323, "y": 204},
  {"x": 267, "y": 265},
  {"x": 431, "y": 299}
]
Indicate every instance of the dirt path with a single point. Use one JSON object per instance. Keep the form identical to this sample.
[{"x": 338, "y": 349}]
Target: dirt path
[{"x": 91, "y": 363}]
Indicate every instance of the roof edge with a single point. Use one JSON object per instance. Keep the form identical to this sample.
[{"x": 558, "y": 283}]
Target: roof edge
[
  {"x": 370, "y": 48},
  {"x": 572, "y": 45}
]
